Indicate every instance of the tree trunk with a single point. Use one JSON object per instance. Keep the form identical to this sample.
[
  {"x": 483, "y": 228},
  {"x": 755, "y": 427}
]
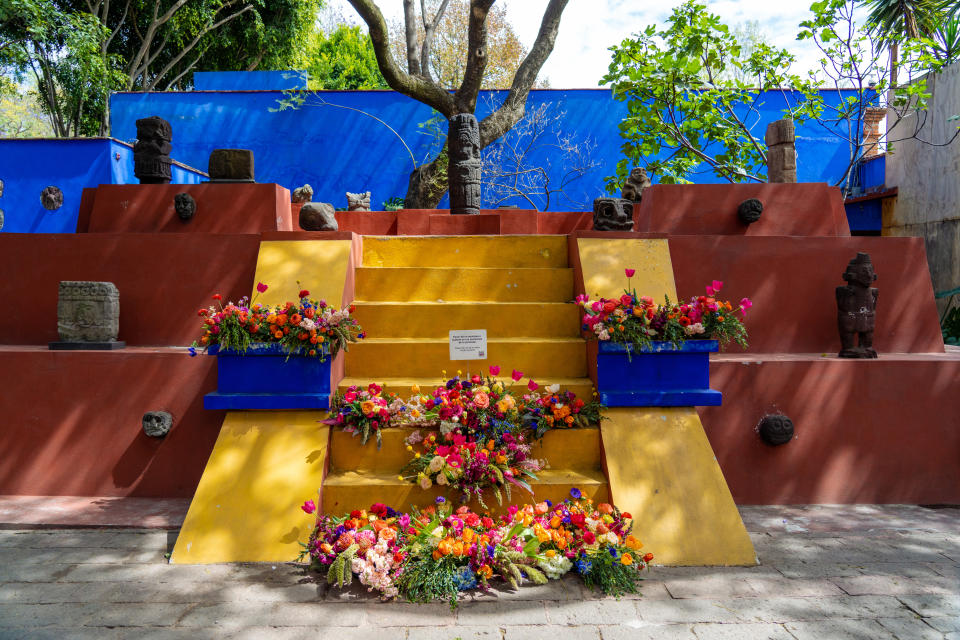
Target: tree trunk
[{"x": 428, "y": 183}]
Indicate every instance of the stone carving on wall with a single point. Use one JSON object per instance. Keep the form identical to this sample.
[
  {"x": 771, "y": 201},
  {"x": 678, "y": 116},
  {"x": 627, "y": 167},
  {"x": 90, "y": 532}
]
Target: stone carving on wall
[
  {"x": 358, "y": 201},
  {"x": 151, "y": 153},
  {"x": 230, "y": 165},
  {"x": 1, "y": 219},
  {"x": 463, "y": 169},
  {"x": 781, "y": 151},
  {"x": 856, "y": 309},
  {"x": 51, "y": 198},
  {"x": 185, "y": 206},
  {"x": 1, "y": 188},
  {"x": 88, "y": 312},
  {"x": 749, "y": 210},
  {"x": 318, "y": 216},
  {"x": 775, "y": 429},
  {"x": 302, "y": 194},
  {"x": 157, "y": 424},
  {"x": 612, "y": 214},
  {"x": 635, "y": 184}
]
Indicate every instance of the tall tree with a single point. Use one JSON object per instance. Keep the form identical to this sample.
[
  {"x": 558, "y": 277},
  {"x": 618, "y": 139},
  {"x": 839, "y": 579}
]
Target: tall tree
[
  {"x": 343, "y": 59},
  {"x": 428, "y": 182}
]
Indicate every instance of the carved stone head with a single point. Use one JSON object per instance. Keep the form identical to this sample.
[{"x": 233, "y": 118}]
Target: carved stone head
[
  {"x": 775, "y": 429},
  {"x": 302, "y": 194},
  {"x": 612, "y": 214},
  {"x": 157, "y": 424},
  {"x": 635, "y": 184},
  {"x": 749, "y": 210},
  {"x": 860, "y": 271},
  {"x": 464, "y": 132},
  {"x": 358, "y": 201},
  {"x": 151, "y": 153},
  {"x": 51, "y": 198},
  {"x": 185, "y": 206}
]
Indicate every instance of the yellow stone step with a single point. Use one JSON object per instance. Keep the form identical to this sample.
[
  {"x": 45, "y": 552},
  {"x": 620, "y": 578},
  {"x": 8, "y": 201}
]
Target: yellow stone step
[
  {"x": 345, "y": 491},
  {"x": 465, "y": 251},
  {"x": 583, "y": 387},
  {"x": 500, "y": 319},
  {"x": 436, "y": 284},
  {"x": 374, "y": 358},
  {"x": 563, "y": 449}
]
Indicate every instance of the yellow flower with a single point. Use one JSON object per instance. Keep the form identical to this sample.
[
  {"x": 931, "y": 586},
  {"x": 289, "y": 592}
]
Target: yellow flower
[
  {"x": 550, "y": 553},
  {"x": 415, "y": 389},
  {"x": 626, "y": 559},
  {"x": 367, "y": 407}
]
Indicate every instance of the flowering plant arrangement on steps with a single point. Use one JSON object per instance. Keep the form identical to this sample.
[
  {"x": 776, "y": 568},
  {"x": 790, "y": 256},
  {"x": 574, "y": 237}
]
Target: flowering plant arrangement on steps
[
  {"x": 636, "y": 321},
  {"x": 308, "y": 327},
  {"x": 439, "y": 553}
]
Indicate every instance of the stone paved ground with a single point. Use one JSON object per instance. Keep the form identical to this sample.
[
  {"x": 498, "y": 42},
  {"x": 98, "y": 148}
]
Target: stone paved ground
[{"x": 826, "y": 572}]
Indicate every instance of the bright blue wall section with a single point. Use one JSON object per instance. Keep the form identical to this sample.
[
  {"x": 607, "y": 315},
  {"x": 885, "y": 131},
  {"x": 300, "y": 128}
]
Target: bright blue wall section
[
  {"x": 248, "y": 80},
  {"x": 27, "y": 166},
  {"x": 337, "y": 150}
]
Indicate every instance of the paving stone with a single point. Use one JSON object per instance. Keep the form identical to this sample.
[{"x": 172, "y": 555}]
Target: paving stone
[
  {"x": 592, "y": 612},
  {"x": 818, "y": 569},
  {"x": 910, "y": 629},
  {"x": 930, "y": 606},
  {"x": 136, "y": 614},
  {"x": 798, "y": 588},
  {"x": 51, "y": 592},
  {"x": 503, "y": 614},
  {"x": 233, "y": 615},
  {"x": 944, "y": 624},
  {"x": 893, "y": 585},
  {"x": 741, "y": 632},
  {"x": 540, "y": 632},
  {"x": 779, "y": 610},
  {"x": 405, "y": 614},
  {"x": 43, "y": 615},
  {"x": 709, "y": 586},
  {"x": 849, "y": 629},
  {"x": 565, "y": 589},
  {"x": 59, "y": 633},
  {"x": 685, "y": 611},
  {"x": 904, "y": 569},
  {"x": 449, "y": 633},
  {"x": 647, "y": 631}
]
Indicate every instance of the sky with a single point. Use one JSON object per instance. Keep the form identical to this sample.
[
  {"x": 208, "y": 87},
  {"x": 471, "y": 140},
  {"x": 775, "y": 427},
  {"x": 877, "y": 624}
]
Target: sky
[{"x": 589, "y": 27}]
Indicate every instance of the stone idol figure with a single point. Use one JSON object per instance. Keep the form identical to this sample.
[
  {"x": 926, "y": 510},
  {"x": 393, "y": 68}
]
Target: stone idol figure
[
  {"x": 151, "y": 153},
  {"x": 856, "y": 309},
  {"x": 463, "y": 171}
]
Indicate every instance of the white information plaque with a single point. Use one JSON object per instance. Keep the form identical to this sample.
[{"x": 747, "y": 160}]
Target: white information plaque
[{"x": 468, "y": 345}]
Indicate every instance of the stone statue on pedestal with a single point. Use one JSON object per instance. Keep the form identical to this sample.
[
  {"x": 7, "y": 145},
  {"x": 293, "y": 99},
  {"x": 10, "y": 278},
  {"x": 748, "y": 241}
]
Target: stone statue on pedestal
[
  {"x": 856, "y": 309},
  {"x": 151, "y": 153},
  {"x": 463, "y": 170}
]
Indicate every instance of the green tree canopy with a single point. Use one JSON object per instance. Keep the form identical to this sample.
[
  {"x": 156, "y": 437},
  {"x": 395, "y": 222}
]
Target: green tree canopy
[{"x": 343, "y": 59}]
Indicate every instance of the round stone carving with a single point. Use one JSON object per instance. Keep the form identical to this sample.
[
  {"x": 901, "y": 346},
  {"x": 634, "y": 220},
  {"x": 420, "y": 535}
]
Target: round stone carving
[
  {"x": 51, "y": 198},
  {"x": 776, "y": 429},
  {"x": 157, "y": 424},
  {"x": 185, "y": 206},
  {"x": 749, "y": 211}
]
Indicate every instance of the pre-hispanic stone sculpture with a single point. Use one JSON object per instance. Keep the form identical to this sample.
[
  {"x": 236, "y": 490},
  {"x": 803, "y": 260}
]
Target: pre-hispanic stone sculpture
[
  {"x": 302, "y": 194},
  {"x": 781, "y": 151},
  {"x": 358, "y": 201},
  {"x": 185, "y": 206},
  {"x": 463, "y": 170},
  {"x": 636, "y": 182},
  {"x": 230, "y": 165},
  {"x": 157, "y": 424},
  {"x": 318, "y": 216},
  {"x": 612, "y": 214},
  {"x": 151, "y": 153},
  {"x": 775, "y": 429},
  {"x": 749, "y": 210},
  {"x": 88, "y": 315},
  {"x": 856, "y": 309},
  {"x": 51, "y": 198}
]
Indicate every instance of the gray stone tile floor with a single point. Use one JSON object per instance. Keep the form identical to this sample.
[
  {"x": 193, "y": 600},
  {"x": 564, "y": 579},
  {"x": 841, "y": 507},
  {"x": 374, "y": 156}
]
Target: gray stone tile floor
[{"x": 858, "y": 572}]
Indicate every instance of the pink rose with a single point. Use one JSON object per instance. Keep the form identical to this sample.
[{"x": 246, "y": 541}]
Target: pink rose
[{"x": 481, "y": 400}]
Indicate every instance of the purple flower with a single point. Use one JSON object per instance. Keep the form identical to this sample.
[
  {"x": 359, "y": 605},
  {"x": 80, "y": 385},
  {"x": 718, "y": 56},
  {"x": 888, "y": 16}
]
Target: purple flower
[{"x": 575, "y": 493}]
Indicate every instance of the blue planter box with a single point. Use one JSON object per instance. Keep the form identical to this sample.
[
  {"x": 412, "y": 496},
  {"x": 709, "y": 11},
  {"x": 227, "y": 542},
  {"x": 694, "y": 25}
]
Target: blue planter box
[
  {"x": 266, "y": 377},
  {"x": 658, "y": 376}
]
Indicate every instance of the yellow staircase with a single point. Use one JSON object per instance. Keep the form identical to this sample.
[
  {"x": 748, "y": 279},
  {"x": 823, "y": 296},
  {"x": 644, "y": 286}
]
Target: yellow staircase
[{"x": 410, "y": 293}]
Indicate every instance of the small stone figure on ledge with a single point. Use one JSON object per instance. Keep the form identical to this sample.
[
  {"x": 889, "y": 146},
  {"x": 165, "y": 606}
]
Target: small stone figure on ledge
[
  {"x": 612, "y": 214},
  {"x": 463, "y": 170},
  {"x": 358, "y": 201},
  {"x": 856, "y": 309},
  {"x": 635, "y": 184},
  {"x": 151, "y": 153}
]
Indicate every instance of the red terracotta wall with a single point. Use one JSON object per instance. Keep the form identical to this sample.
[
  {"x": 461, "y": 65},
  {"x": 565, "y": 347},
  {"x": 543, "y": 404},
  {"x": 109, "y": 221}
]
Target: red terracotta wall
[
  {"x": 792, "y": 283},
  {"x": 879, "y": 431},
  {"x": 163, "y": 279},
  {"x": 803, "y": 209},
  {"x": 221, "y": 208},
  {"x": 75, "y": 428}
]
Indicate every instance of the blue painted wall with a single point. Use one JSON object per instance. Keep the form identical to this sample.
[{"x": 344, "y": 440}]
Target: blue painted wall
[
  {"x": 866, "y": 215},
  {"x": 248, "y": 80},
  {"x": 336, "y": 149},
  {"x": 27, "y": 166}
]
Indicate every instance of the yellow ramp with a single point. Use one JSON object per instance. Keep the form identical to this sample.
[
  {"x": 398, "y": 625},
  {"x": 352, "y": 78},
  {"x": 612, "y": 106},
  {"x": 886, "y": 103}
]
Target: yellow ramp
[
  {"x": 264, "y": 465},
  {"x": 603, "y": 260},
  {"x": 663, "y": 472},
  {"x": 319, "y": 265}
]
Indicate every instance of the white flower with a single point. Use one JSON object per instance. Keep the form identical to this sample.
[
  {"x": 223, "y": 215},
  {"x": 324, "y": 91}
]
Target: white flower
[
  {"x": 441, "y": 478},
  {"x": 308, "y": 324},
  {"x": 554, "y": 388},
  {"x": 436, "y": 463}
]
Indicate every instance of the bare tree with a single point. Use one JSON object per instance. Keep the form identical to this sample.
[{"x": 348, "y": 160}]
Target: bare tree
[{"x": 428, "y": 182}]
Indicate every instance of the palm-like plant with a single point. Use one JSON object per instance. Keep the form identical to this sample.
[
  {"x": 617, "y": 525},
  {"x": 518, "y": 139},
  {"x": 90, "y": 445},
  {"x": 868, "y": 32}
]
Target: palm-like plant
[
  {"x": 947, "y": 38},
  {"x": 893, "y": 20}
]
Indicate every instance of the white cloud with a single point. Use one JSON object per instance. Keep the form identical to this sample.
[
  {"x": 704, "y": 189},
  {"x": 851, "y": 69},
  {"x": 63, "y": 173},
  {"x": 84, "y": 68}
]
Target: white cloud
[{"x": 589, "y": 27}]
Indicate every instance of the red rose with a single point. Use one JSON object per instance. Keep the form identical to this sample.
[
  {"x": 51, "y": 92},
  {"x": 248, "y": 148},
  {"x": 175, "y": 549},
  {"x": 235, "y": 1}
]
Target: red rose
[
  {"x": 354, "y": 514},
  {"x": 578, "y": 519},
  {"x": 486, "y": 522},
  {"x": 588, "y": 537},
  {"x": 304, "y": 293}
]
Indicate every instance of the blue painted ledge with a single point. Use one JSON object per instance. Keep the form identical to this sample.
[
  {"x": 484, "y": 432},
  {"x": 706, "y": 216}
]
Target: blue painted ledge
[
  {"x": 660, "y": 375},
  {"x": 267, "y": 377}
]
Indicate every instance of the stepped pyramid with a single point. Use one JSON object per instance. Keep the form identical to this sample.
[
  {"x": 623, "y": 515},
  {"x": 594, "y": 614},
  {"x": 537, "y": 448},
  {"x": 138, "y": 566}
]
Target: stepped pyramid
[{"x": 410, "y": 292}]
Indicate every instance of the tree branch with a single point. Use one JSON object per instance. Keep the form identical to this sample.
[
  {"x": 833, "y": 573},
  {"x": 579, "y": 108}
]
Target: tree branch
[
  {"x": 410, "y": 32},
  {"x": 429, "y": 31},
  {"x": 466, "y": 96}
]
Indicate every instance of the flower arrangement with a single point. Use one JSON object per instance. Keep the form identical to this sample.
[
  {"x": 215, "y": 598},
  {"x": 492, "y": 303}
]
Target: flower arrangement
[
  {"x": 636, "y": 321},
  {"x": 308, "y": 327},
  {"x": 439, "y": 552}
]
